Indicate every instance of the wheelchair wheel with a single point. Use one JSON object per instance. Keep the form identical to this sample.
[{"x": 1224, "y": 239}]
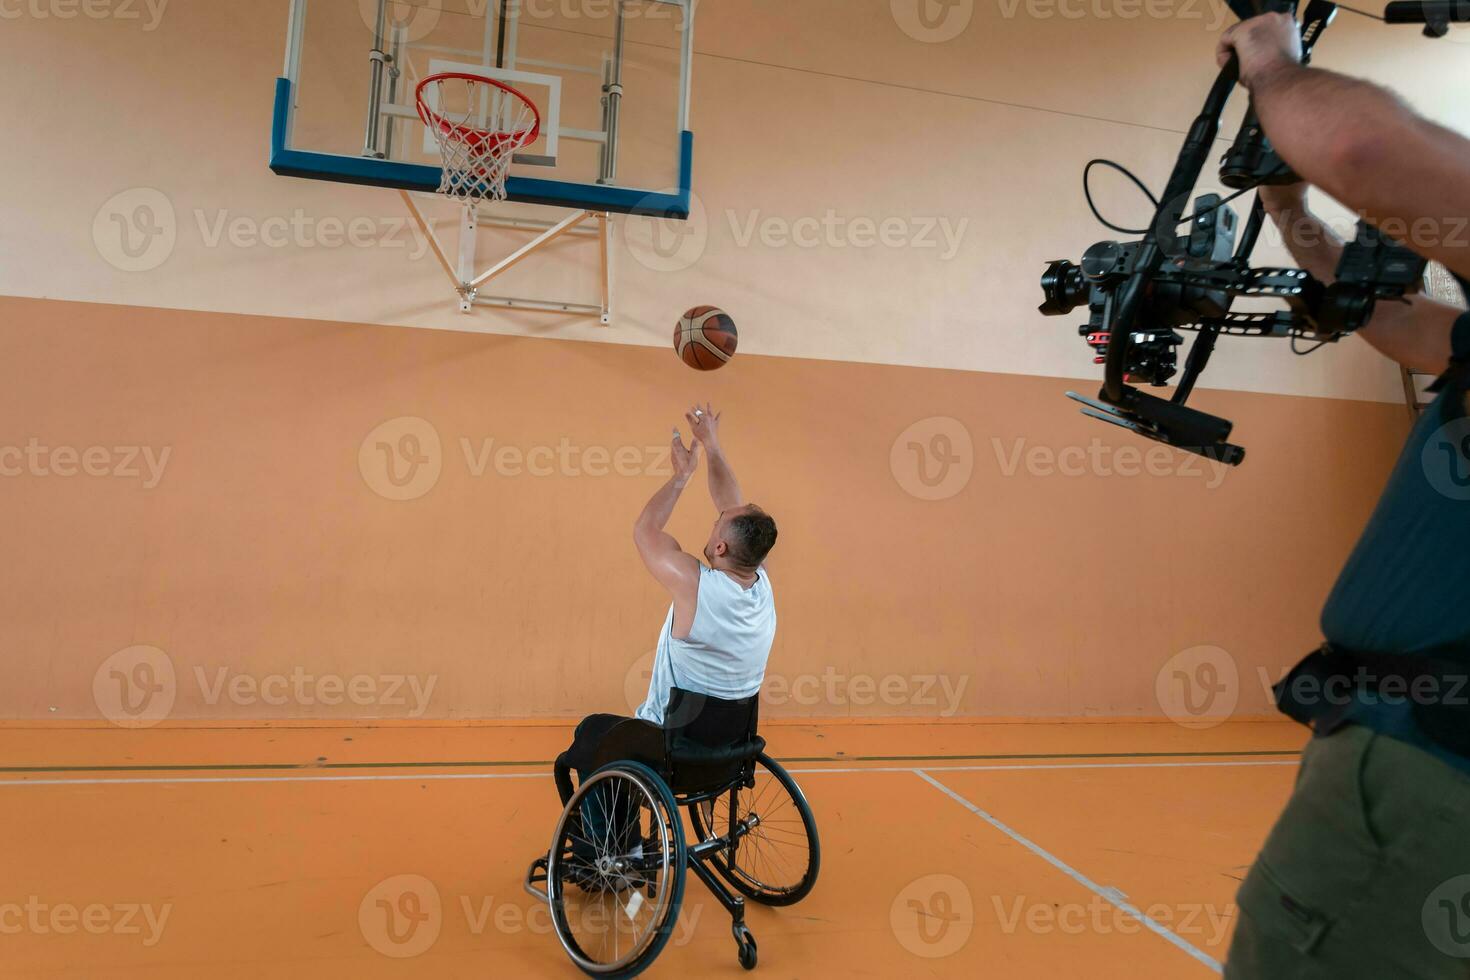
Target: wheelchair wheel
[
  {"x": 775, "y": 863},
  {"x": 615, "y": 872}
]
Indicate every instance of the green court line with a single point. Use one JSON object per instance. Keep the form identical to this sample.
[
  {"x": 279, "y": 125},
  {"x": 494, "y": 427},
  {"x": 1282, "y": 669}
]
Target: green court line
[{"x": 311, "y": 766}]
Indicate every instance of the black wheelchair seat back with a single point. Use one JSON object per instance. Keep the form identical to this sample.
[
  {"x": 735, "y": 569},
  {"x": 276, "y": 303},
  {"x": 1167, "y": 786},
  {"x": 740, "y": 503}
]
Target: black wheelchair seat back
[
  {"x": 705, "y": 745},
  {"x": 709, "y": 741}
]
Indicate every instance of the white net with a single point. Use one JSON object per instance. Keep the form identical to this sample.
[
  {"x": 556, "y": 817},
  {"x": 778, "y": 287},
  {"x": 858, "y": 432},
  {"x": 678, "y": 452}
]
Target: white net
[
  {"x": 479, "y": 124},
  {"x": 1440, "y": 284}
]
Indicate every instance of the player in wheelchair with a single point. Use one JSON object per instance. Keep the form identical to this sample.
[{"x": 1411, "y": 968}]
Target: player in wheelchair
[{"x": 614, "y": 875}]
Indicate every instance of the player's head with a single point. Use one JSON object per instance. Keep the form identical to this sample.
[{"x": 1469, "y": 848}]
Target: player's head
[{"x": 741, "y": 539}]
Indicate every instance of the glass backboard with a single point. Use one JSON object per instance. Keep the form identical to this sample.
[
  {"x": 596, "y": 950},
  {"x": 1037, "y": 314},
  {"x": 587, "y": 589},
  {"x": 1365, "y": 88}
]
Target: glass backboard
[{"x": 610, "y": 79}]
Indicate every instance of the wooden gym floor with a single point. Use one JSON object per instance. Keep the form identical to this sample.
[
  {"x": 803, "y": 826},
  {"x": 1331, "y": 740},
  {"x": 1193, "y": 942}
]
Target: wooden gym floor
[{"x": 949, "y": 850}]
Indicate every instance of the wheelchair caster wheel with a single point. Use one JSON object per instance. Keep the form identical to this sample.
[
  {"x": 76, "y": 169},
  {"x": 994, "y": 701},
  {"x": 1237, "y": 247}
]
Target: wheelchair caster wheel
[{"x": 746, "y": 942}]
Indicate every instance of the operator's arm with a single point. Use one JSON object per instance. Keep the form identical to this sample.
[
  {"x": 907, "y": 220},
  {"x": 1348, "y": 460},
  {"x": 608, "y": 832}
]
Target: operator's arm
[
  {"x": 1358, "y": 142},
  {"x": 723, "y": 488},
  {"x": 1415, "y": 332},
  {"x": 674, "y": 569}
]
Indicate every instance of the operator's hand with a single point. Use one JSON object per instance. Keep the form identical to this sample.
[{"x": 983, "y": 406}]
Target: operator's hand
[
  {"x": 1283, "y": 198},
  {"x": 685, "y": 460},
  {"x": 704, "y": 423},
  {"x": 1265, "y": 44}
]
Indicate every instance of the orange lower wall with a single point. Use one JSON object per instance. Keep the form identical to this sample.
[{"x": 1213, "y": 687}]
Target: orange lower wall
[{"x": 279, "y": 583}]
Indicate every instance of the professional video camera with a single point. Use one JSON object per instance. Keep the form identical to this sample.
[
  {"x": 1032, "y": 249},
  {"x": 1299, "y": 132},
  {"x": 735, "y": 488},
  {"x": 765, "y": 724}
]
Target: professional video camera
[{"x": 1139, "y": 294}]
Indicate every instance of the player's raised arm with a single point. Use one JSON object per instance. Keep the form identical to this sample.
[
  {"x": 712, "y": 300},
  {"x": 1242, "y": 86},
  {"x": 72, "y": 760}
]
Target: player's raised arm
[
  {"x": 674, "y": 569},
  {"x": 704, "y": 421}
]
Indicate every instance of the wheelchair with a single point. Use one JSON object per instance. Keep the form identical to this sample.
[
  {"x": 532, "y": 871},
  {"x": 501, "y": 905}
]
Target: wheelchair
[{"x": 614, "y": 875}]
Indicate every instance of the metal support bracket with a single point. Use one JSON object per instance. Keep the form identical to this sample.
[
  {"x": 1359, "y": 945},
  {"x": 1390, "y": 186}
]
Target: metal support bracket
[{"x": 467, "y": 283}]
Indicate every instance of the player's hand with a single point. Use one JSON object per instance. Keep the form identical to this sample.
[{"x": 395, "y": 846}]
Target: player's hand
[
  {"x": 704, "y": 423},
  {"x": 685, "y": 460},
  {"x": 1264, "y": 44}
]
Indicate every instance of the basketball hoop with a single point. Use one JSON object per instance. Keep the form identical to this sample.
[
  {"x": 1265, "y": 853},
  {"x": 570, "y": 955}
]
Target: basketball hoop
[{"x": 479, "y": 123}]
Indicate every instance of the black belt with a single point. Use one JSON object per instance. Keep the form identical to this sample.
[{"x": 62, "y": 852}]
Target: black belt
[{"x": 1322, "y": 690}]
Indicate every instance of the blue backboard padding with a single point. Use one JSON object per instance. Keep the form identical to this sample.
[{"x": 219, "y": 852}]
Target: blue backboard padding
[{"x": 420, "y": 177}]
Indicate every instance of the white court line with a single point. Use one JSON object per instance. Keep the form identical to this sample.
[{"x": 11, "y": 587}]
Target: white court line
[
  {"x": 397, "y": 777},
  {"x": 1107, "y": 895}
]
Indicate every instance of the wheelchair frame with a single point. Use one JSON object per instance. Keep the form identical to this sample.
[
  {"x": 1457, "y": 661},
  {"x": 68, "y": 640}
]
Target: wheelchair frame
[{"x": 679, "y": 763}]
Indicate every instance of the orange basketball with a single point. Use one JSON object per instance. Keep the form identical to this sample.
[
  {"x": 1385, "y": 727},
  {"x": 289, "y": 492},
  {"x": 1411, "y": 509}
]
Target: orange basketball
[{"x": 705, "y": 338}]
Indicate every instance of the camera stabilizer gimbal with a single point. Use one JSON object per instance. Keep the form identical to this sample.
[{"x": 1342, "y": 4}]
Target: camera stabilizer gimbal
[{"x": 1138, "y": 294}]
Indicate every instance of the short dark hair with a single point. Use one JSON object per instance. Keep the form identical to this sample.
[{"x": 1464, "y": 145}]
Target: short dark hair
[{"x": 751, "y": 536}]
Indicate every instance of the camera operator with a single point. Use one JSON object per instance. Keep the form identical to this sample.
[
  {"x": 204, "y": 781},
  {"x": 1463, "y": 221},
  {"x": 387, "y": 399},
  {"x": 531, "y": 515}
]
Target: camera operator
[{"x": 1350, "y": 880}]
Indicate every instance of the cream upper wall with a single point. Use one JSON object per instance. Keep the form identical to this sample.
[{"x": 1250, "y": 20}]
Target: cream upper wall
[{"x": 824, "y": 107}]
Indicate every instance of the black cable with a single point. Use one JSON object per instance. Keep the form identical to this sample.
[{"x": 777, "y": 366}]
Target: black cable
[
  {"x": 1087, "y": 192},
  {"x": 1310, "y": 350}
]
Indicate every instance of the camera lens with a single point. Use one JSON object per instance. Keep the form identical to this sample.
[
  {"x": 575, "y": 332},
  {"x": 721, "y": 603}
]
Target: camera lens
[{"x": 1064, "y": 288}]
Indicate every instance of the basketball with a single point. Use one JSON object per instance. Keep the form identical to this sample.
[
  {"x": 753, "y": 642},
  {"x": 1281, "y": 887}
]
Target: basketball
[{"x": 705, "y": 338}]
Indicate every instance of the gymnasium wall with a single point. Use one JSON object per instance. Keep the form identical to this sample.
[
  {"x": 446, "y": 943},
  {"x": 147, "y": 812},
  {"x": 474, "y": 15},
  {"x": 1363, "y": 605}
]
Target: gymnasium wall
[{"x": 241, "y": 482}]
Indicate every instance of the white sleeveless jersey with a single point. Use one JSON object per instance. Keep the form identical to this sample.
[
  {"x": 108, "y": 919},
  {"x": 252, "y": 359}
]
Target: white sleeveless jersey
[{"x": 726, "y": 651}]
